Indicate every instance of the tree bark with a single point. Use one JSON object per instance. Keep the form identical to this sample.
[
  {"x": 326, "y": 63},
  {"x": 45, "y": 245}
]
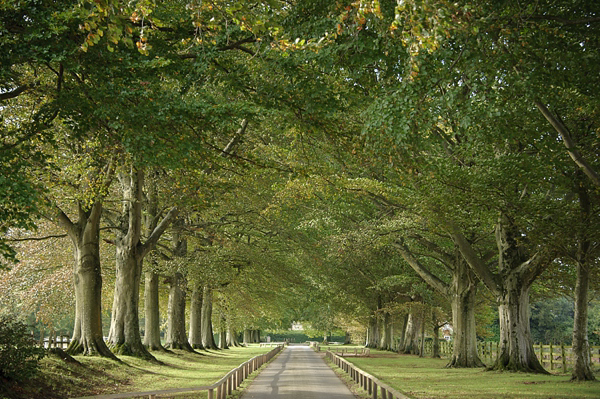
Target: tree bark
[
  {"x": 386, "y": 332},
  {"x": 124, "y": 337},
  {"x": 195, "y": 334},
  {"x": 400, "y": 346},
  {"x": 582, "y": 366},
  {"x": 223, "y": 332},
  {"x": 422, "y": 338},
  {"x": 510, "y": 285},
  {"x": 436, "y": 339},
  {"x": 152, "y": 313},
  {"x": 410, "y": 344},
  {"x": 347, "y": 338},
  {"x": 461, "y": 292},
  {"x": 208, "y": 340},
  {"x": 247, "y": 336},
  {"x": 176, "y": 337},
  {"x": 87, "y": 337},
  {"x": 232, "y": 338},
  {"x": 372, "y": 332},
  {"x": 518, "y": 272}
]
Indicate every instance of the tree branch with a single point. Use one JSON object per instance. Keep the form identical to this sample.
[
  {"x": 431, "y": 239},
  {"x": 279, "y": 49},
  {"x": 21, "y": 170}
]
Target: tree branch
[
  {"x": 569, "y": 143},
  {"x": 477, "y": 265},
  {"x": 36, "y": 238},
  {"x": 566, "y": 21},
  {"x": 158, "y": 231},
  {"x": 425, "y": 274},
  {"x": 14, "y": 93}
]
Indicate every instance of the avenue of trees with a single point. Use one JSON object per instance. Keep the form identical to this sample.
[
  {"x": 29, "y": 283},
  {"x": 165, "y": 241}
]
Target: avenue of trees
[{"x": 381, "y": 167}]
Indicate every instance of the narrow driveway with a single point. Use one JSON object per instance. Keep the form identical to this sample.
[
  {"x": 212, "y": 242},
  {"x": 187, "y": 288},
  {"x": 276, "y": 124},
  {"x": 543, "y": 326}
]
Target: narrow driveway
[{"x": 297, "y": 373}]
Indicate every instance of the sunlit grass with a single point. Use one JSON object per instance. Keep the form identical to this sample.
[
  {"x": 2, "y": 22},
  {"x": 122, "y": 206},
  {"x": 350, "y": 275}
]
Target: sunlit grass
[
  {"x": 422, "y": 378},
  {"x": 179, "y": 369}
]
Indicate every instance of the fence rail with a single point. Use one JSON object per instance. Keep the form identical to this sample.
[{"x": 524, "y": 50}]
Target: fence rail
[
  {"x": 552, "y": 356},
  {"x": 366, "y": 381},
  {"x": 219, "y": 390},
  {"x": 347, "y": 352}
]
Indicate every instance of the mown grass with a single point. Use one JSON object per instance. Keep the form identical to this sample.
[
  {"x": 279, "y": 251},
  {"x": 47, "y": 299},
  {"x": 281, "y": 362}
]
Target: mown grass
[
  {"x": 94, "y": 375},
  {"x": 425, "y": 378}
]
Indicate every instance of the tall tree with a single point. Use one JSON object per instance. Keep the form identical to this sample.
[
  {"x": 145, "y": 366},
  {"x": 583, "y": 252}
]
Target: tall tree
[{"x": 124, "y": 337}]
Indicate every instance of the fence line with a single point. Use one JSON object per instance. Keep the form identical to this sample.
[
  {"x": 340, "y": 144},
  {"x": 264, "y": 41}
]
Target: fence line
[
  {"x": 228, "y": 383},
  {"x": 366, "y": 381},
  {"x": 553, "y": 357}
]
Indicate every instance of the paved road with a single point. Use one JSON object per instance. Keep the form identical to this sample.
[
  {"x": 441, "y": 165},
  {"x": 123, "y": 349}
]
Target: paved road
[{"x": 297, "y": 373}]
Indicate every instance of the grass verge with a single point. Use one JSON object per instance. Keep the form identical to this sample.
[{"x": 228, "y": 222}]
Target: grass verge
[
  {"x": 95, "y": 376},
  {"x": 426, "y": 378}
]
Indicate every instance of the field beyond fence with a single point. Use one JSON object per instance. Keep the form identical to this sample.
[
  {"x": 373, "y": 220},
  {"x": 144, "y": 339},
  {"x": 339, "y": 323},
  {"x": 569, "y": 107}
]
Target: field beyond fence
[{"x": 553, "y": 357}]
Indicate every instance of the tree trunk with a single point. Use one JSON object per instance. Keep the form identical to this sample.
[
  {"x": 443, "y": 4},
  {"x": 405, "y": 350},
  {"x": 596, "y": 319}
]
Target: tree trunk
[
  {"x": 152, "y": 313},
  {"x": 232, "y": 339},
  {"x": 256, "y": 334},
  {"x": 400, "y": 346},
  {"x": 422, "y": 338},
  {"x": 373, "y": 332},
  {"x": 176, "y": 337},
  {"x": 461, "y": 291},
  {"x": 516, "y": 346},
  {"x": 510, "y": 285},
  {"x": 436, "y": 339},
  {"x": 223, "y": 332},
  {"x": 247, "y": 336},
  {"x": 347, "y": 338},
  {"x": 85, "y": 235},
  {"x": 582, "y": 366},
  {"x": 463, "y": 294},
  {"x": 385, "y": 342},
  {"x": 124, "y": 337},
  {"x": 196, "y": 317},
  {"x": 208, "y": 340},
  {"x": 411, "y": 345}
]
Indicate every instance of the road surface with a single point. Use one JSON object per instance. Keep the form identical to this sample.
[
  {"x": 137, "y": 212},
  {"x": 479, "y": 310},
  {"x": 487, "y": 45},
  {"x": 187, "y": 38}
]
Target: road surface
[{"x": 297, "y": 373}]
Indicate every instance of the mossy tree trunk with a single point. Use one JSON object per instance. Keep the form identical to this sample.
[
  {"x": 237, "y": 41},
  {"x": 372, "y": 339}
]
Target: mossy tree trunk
[
  {"x": 195, "y": 334},
  {"x": 124, "y": 336},
  {"x": 208, "y": 340},
  {"x": 410, "y": 344},
  {"x": 87, "y": 336},
  {"x": 582, "y": 365},
  {"x": 232, "y": 336},
  {"x": 152, "y": 313},
  {"x": 176, "y": 337},
  {"x": 461, "y": 291},
  {"x": 510, "y": 285}
]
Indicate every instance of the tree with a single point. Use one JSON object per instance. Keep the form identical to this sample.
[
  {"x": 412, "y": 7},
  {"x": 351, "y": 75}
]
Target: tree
[
  {"x": 124, "y": 336},
  {"x": 461, "y": 291}
]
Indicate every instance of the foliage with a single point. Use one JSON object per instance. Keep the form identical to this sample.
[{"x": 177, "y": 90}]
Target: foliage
[
  {"x": 552, "y": 321},
  {"x": 19, "y": 356}
]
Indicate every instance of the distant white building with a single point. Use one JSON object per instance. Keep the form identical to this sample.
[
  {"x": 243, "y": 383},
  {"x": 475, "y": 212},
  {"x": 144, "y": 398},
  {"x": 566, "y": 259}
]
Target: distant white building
[
  {"x": 447, "y": 332},
  {"x": 296, "y": 326}
]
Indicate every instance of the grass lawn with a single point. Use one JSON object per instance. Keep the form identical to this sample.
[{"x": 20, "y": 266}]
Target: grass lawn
[
  {"x": 180, "y": 369},
  {"x": 426, "y": 378}
]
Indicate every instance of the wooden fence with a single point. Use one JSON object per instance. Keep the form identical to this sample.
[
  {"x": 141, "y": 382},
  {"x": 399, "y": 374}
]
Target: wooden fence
[
  {"x": 219, "y": 390},
  {"x": 552, "y": 357},
  {"x": 366, "y": 381},
  {"x": 346, "y": 352}
]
